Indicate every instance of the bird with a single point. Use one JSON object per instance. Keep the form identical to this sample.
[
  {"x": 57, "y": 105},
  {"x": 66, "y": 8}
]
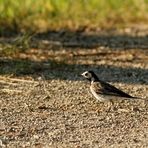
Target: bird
[{"x": 104, "y": 91}]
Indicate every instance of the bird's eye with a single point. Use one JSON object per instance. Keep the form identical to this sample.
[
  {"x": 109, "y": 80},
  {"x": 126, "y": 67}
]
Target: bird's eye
[{"x": 86, "y": 74}]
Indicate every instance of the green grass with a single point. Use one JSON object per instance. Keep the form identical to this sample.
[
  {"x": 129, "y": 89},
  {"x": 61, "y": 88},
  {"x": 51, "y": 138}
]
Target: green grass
[{"x": 44, "y": 14}]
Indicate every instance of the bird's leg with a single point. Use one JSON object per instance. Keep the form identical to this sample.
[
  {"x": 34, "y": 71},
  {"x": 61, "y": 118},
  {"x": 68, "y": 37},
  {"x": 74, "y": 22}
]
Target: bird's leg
[{"x": 111, "y": 103}]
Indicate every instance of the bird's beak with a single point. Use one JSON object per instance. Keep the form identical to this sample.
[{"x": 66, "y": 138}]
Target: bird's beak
[{"x": 81, "y": 74}]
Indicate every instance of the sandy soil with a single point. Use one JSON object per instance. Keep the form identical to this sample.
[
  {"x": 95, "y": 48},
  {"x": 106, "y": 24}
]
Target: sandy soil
[{"x": 45, "y": 103}]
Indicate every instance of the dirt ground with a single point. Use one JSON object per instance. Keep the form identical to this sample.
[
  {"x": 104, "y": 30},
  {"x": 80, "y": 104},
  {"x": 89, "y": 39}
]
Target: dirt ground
[{"x": 45, "y": 103}]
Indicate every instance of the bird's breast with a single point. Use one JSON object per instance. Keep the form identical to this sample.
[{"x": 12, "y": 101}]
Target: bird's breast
[{"x": 96, "y": 95}]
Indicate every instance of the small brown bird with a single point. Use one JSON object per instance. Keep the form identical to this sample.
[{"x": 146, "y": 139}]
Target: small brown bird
[{"x": 103, "y": 91}]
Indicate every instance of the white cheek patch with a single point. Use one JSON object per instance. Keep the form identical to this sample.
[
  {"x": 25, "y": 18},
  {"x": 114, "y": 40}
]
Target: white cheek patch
[{"x": 86, "y": 74}]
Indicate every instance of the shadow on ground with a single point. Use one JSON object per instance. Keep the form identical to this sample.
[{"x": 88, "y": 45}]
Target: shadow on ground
[
  {"x": 81, "y": 39},
  {"x": 56, "y": 70},
  {"x": 77, "y": 40},
  {"x": 113, "y": 39}
]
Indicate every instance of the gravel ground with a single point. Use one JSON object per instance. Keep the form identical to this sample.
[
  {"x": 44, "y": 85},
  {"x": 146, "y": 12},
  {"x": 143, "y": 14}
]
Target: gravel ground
[{"x": 45, "y": 103}]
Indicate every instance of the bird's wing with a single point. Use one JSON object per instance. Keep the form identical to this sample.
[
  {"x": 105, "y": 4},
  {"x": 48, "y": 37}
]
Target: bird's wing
[{"x": 107, "y": 89}]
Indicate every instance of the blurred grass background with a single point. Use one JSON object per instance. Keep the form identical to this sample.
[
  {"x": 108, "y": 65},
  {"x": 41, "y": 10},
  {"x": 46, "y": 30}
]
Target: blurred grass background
[{"x": 41, "y": 15}]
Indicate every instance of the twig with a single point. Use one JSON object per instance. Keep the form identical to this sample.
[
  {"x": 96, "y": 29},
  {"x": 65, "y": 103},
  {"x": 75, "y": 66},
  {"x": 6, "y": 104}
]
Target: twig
[
  {"x": 10, "y": 90},
  {"x": 5, "y": 82},
  {"x": 18, "y": 80}
]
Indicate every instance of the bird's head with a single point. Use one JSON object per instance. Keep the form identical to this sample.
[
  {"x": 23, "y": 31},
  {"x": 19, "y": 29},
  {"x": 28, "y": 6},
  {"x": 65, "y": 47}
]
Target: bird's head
[{"x": 89, "y": 75}]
